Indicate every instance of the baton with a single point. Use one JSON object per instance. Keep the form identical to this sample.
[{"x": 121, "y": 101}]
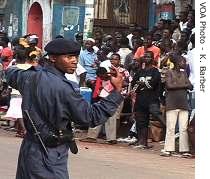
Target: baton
[{"x": 37, "y": 133}]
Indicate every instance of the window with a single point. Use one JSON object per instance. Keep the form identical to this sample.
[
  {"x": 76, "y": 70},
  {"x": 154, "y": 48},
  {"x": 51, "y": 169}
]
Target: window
[
  {"x": 70, "y": 16},
  {"x": 121, "y": 11},
  {"x": 3, "y": 3},
  {"x": 101, "y": 9},
  {"x": 2, "y": 28}
]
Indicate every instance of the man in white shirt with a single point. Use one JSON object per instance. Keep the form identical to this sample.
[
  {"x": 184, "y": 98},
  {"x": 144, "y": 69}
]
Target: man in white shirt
[{"x": 124, "y": 50}]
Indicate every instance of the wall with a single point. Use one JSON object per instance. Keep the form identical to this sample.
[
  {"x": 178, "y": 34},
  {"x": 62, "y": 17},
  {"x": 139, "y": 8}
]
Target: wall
[{"x": 12, "y": 18}]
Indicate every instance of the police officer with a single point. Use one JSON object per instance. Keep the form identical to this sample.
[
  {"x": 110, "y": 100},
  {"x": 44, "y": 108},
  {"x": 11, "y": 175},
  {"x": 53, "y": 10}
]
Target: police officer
[{"x": 52, "y": 103}]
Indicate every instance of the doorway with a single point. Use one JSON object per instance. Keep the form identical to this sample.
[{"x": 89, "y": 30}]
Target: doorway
[{"x": 35, "y": 22}]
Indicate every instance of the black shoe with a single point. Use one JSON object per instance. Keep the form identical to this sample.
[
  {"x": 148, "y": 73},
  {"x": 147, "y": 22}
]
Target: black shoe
[{"x": 112, "y": 142}]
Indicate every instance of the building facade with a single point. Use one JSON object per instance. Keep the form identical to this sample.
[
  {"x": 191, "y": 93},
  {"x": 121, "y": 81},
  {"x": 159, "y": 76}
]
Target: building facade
[
  {"x": 118, "y": 14},
  {"x": 46, "y": 18},
  {"x": 49, "y": 18},
  {"x": 58, "y": 17}
]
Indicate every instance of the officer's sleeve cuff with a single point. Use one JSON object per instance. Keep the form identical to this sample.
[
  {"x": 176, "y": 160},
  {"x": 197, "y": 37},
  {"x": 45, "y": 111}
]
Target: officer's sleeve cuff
[{"x": 116, "y": 96}]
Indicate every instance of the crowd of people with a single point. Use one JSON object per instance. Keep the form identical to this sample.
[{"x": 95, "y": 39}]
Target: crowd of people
[{"x": 158, "y": 80}]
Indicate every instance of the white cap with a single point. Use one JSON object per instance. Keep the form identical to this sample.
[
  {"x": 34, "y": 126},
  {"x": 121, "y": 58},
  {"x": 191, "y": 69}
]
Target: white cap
[
  {"x": 90, "y": 39},
  {"x": 33, "y": 36}
]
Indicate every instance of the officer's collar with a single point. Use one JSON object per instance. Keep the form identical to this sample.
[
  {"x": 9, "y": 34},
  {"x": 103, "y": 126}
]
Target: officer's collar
[
  {"x": 55, "y": 71},
  {"x": 35, "y": 68}
]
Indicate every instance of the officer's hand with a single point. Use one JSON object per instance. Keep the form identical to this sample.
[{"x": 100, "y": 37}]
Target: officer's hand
[{"x": 117, "y": 79}]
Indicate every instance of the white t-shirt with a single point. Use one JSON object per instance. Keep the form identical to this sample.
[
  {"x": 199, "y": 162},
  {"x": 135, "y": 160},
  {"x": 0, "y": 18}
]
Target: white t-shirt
[
  {"x": 106, "y": 64},
  {"x": 190, "y": 57},
  {"x": 75, "y": 77},
  {"x": 129, "y": 36},
  {"x": 182, "y": 25},
  {"x": 123, "y": 52}
]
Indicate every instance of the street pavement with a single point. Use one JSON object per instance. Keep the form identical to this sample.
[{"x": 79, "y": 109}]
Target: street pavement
[{"x": 103, "y": 161}]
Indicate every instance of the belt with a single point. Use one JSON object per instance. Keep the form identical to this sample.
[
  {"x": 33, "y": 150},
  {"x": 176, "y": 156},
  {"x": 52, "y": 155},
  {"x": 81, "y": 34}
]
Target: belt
[{"x": 54, "y": 140}]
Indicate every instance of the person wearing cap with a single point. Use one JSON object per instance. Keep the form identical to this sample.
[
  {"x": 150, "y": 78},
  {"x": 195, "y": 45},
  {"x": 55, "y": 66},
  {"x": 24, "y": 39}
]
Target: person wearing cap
[
  {"x": 53, "y": 103},
  {"x": 33, "y": 42}
]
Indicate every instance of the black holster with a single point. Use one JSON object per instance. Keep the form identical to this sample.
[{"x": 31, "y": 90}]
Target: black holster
[{"x": 62, "y": 137}]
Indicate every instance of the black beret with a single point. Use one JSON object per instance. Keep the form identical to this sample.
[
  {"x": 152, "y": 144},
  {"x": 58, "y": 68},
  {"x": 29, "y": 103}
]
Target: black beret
[{"x": 61, "y": 46}]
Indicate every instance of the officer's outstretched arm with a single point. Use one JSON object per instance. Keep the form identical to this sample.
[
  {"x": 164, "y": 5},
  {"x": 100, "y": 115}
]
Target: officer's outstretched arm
[
  {"x": 92, "y": 115},
  {"x": 98, "y": 113},
  {"x": 16, "y": 77}
]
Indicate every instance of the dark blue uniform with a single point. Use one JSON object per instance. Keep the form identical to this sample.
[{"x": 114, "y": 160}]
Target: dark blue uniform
[{"x": 52, "y": 101}]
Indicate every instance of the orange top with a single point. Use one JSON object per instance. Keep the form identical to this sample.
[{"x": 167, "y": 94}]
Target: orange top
[{"x": 140, "y": 52}]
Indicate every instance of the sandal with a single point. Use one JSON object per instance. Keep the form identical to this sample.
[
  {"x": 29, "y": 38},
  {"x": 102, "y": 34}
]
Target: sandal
[{"x": 111, "y": 142}]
